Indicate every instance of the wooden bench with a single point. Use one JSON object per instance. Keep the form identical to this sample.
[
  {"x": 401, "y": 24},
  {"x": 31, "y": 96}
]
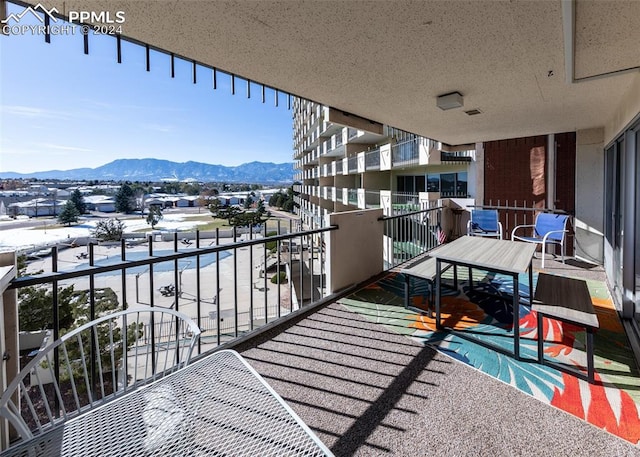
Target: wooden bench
[
  {"x": 567, "y": 300},
  {"x": 425, "y": 269}
]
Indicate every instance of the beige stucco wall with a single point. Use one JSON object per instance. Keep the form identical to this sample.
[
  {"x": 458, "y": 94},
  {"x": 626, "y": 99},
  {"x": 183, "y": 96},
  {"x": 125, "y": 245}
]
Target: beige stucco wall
[
  {"x": 589, "y": 217},
  {"x": 628, "y": 109},
  {"x": 355, "y": 249}
]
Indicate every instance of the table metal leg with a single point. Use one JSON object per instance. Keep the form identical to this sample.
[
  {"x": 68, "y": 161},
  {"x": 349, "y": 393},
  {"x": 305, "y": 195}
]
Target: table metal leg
[
  {"x": 590, "y": 367},
  {"x": 438, "y": 293},
  {"x": 407, "y": 290},
  {"x": 530, "y": 284},
  {"x": 540, "y": 339},
  {"x": 516, "y": 318}
]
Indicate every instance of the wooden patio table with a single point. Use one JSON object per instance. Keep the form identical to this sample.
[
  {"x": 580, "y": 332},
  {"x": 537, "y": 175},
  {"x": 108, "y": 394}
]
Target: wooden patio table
[{"x": 500, "y": 256}]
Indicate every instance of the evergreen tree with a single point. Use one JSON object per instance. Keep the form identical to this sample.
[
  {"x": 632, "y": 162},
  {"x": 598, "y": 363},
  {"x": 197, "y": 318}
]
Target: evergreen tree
[
  {"x": 154, "y": 215},
  {"x": 124, "y": 199},
  {"x": 69, "y": 214},
  {"x": 248, "y": 201},
  {"x": 78, "y": 201}
]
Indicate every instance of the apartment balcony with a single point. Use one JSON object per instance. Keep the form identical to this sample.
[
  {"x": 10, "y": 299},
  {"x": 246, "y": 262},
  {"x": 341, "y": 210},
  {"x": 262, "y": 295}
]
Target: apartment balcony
[
  {"x": 343, "y": 351},
  {"x": 352, "y": 163},
  {"x": 457, "y": 156},
  {"x": 372, "y": 160}
]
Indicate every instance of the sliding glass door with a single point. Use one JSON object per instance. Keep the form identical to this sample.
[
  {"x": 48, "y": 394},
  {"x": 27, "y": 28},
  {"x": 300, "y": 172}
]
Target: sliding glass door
[{"x": 622, "y": 220}]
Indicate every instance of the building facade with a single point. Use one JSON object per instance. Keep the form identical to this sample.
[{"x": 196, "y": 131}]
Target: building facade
[{"x": 345, "y": 162}]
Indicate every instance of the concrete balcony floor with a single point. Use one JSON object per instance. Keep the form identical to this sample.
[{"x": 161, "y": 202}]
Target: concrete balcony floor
[{"x": 368, "y": 391}]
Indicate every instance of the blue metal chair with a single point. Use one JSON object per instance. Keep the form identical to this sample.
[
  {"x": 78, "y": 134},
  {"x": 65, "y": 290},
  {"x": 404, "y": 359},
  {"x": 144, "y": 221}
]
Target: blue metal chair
[
  {"x": 548, "y": 229},
  {"x": 484, "y": 222}
]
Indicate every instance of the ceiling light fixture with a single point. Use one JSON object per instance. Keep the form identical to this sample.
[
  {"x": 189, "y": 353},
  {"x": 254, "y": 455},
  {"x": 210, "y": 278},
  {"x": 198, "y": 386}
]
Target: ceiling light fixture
[{"x": 450, "y": 101}]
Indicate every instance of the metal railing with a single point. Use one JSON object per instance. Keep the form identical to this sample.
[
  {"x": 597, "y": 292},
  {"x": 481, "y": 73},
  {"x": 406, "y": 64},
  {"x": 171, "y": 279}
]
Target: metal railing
[
  {"x": 458, "y": 156},
  {"x": 352, "y": 196},
  {"x": 372, "y": 160},
  {"x": 228, "y": 287},
  {"x": 405, "y": 153},
  {"x": 405, "y": 201},
  {"x": 329, "y": 193},
  {"x": 353, "y": 165},
  {"x": 410, "y": 234},
  {"x": 372, "y": 199},
  {"x": 339, "y": 167}
]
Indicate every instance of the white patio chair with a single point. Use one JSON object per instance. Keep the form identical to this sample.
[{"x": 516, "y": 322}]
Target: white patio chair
[{"x": 158, "y": 341}]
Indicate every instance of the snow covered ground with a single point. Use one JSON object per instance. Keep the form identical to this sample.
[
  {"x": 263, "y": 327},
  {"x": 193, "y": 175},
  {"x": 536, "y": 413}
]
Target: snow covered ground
[{"x": 40, "y": 236}]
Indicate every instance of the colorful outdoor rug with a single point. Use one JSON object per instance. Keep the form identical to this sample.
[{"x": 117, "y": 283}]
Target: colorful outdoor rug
[{"x": 612, "y": 403}]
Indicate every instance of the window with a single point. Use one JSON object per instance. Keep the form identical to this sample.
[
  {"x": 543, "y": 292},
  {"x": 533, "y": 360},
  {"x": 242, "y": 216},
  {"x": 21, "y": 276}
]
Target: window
[
  {"x": 433, "y": 183},
  {"x": 447, "y": 184}
]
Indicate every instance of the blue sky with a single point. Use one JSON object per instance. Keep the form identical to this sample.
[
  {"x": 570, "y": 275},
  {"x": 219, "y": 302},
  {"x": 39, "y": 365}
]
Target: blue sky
[{"x": 62, "y": 109}]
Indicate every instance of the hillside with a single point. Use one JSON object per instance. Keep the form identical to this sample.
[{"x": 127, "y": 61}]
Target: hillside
[{"x": 156, "y": 170}]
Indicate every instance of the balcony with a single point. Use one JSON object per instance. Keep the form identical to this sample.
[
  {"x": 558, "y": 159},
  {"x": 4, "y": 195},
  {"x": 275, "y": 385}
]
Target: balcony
[
  {"x": 352, "y": 165},
  {"x": 405, "y": 154},
  {"x": 343, "y": 361},
  {"x": 457, "y": 156},
  {"x": 372, "y": 160}
]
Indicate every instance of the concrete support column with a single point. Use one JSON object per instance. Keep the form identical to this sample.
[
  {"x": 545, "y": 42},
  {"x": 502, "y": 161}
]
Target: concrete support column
[
  {"x": 589, "y": 217},
  {"x": 355, "y": 249},
  {"x": 551, "y": 171},
  {"x": 8, "y": 331}
]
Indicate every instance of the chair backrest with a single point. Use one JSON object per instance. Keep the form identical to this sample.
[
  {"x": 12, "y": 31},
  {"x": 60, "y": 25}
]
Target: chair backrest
[
  {"x": 548, "y": 222},
  {"x": 97, "y": 362},
  {"x": 484, "y": 220}
]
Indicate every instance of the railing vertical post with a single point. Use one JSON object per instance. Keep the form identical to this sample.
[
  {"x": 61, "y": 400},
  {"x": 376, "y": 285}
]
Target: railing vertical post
[
  {"x": 152, "y": 303},
  {"x": 125, "y": 343},
  {"x": 218, "y": 336},
  {"x": 198, "y": 292},
  {"x": 92, "y": 316},
  {"x": 177, "y": 292},
  {"x": 123, "y": 258},
  {"x": 251, "y": 279},
  {"x": 56, "y": 321},
  {"x": 235, "y": 281}
]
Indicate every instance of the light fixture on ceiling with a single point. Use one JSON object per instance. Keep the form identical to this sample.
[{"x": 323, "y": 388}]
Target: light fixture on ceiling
[{"x": 450, "y": 101}]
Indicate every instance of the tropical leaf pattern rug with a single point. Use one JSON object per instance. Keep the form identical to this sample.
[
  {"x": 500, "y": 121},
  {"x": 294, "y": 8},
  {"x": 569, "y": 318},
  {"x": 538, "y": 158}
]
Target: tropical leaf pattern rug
[{"x": 611, "y": 403}]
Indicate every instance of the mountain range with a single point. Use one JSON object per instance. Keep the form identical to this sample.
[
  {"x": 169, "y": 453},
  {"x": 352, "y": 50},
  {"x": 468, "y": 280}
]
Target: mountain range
[{"x": 157, "y": 170}]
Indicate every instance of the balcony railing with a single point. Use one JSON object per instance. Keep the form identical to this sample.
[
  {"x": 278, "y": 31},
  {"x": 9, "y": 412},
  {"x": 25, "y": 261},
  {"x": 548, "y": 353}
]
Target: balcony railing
[
  {"x": 339, "y": 167},
  {"x": 372, "y": 199},
  {"x": 411, "y": 233},
  {"x": 352, "y": 196},
  {"x": 353, "y": 165},
  {"x": 457, "y": 156},
  {"x": 405, "y": 153},
  {"x": 228, "y": 282},
  {"x": 372, "y": 160}
]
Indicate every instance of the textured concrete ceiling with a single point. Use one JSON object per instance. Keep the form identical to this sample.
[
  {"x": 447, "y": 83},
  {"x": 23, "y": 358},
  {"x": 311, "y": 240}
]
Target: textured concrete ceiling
[{"x": 389, "y": 60}]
